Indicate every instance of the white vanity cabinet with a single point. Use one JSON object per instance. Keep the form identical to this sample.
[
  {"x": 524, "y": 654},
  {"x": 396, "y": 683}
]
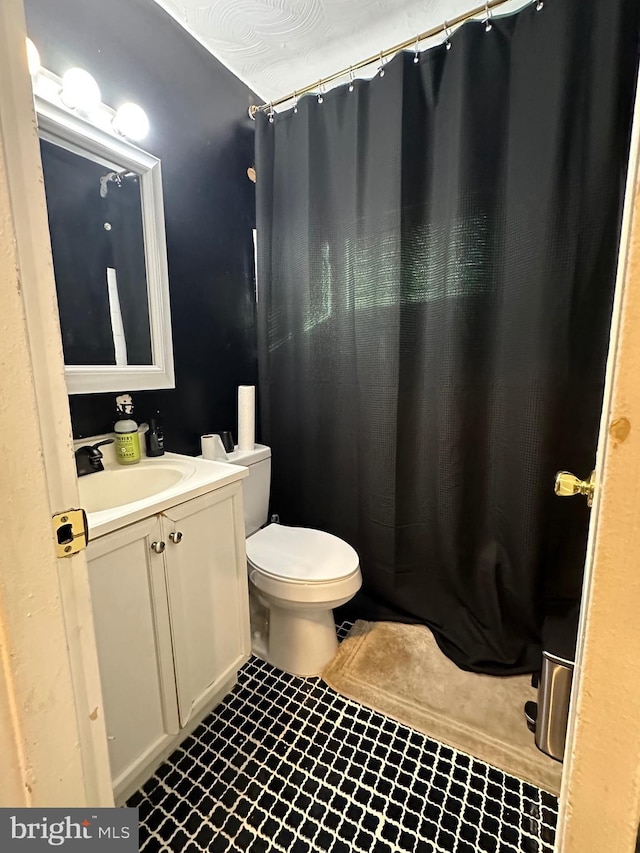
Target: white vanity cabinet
[
  {"x": 133, "y": 636},
  {"x": 170, "y": 604},
  {"x": 208, "y": 597}
]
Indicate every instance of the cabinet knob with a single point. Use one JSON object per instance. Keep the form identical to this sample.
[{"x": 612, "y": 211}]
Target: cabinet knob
[
  {"x": 158, "y": 547},
  {"x": 176, "y": 537}
]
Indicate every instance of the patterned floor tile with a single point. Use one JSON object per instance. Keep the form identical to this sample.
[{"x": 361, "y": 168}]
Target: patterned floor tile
[{"x": 286, "y": 765}]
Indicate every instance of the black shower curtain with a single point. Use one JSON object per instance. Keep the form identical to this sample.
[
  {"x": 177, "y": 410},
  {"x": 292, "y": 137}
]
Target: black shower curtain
[{"x": 436, "y": 261}]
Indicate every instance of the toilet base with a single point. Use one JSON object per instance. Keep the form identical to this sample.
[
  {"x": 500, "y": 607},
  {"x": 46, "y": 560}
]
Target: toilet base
[{"x": 300, "y": 642}]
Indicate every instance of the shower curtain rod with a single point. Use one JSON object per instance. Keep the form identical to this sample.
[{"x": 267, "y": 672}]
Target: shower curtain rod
[{"x": 391, "y": 51}]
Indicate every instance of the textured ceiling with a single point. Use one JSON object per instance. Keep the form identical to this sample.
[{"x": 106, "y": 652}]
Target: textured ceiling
[{"x": 276, "y": 46}]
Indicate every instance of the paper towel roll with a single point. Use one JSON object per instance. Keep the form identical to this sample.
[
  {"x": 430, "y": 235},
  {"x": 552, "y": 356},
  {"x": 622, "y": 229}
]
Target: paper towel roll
[
  {"x": 246, "y": 417},
  {"x": 212, "y": 447}
]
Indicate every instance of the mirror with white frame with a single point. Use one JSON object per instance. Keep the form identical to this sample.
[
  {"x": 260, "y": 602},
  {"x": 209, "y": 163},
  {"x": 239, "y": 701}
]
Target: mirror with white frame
[{"x": 106, "y": 220}]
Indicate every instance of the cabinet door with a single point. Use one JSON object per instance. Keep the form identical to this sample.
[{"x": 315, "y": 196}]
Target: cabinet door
[
  {"x": 208, "y": 598},
  {"x": 133, "y": 637}
]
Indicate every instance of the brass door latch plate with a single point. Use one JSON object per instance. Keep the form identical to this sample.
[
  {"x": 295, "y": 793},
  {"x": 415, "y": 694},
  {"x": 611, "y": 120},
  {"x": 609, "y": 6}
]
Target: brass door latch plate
[{"x": 70, "y": 532}]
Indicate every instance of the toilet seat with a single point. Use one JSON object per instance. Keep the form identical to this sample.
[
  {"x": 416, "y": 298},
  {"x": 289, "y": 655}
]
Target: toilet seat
[{"x": 300, "y": 555}]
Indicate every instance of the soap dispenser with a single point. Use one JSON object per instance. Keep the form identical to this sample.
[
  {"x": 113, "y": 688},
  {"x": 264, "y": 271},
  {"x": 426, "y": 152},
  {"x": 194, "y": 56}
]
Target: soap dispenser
[
  {"x": 126, "y": 430},
  {"x": 155, "y": 437}
]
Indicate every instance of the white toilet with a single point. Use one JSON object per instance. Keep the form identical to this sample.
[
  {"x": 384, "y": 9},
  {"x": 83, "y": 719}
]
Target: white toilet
[{"x": 296, "y": 577}]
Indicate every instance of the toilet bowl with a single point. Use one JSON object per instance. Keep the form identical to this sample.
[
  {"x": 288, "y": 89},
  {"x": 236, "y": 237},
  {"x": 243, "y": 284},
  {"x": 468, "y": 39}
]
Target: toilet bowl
[{"x": 297, "y": 576}]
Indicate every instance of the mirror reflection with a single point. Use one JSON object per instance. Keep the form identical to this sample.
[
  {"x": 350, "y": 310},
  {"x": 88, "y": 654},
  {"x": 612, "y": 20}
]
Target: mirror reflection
[{"x": 97, "y": 242}]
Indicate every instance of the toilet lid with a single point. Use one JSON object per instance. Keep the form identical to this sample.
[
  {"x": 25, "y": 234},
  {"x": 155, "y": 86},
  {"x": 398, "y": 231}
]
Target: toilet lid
[{"x": 300, "y": 553}]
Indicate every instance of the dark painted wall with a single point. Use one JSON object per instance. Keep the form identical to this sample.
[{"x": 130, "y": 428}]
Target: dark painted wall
[{"x": 201, "y": 131}]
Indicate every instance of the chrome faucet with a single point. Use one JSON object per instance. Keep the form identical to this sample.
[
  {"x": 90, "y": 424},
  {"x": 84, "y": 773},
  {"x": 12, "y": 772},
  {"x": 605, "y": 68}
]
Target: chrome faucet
[{"x": 89, "y": 458}]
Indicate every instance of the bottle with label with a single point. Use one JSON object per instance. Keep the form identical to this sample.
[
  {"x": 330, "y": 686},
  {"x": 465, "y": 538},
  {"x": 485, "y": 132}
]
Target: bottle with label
[
  {"x": 155, "y": 437},
  {"x": 126, "y": 430}
]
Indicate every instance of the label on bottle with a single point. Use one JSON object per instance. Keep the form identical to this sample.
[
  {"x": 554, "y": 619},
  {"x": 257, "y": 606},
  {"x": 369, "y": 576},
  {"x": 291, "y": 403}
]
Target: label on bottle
[
  {"x": 127, "y": 448},
  {"x": 155, "y": 443}
]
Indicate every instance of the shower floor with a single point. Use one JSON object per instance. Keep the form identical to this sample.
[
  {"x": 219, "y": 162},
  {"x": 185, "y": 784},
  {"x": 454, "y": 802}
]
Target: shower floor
[{"x": 286, "y": 764}]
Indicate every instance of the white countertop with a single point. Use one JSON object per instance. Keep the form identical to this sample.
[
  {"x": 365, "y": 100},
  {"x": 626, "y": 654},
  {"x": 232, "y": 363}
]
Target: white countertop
[{"x": 197, "y": 476}]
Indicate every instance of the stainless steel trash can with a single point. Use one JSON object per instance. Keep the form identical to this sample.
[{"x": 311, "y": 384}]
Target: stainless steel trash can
[{"x": 554, "y": 692}]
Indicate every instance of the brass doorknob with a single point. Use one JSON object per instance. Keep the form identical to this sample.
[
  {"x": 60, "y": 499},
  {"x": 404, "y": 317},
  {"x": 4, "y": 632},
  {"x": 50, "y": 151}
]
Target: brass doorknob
[{"x": 568, "y": 484}]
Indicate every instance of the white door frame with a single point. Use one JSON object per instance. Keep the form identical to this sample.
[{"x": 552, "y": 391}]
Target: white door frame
[{"x": 51, "y": 699}]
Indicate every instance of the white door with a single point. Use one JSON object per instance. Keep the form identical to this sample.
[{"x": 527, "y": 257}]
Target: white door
[
  {"x": 131, "y": 621},
  {"x": 208, "y": 599},
  {"x": 600, "y": 796},
  {"x": 54, "y": 747}
]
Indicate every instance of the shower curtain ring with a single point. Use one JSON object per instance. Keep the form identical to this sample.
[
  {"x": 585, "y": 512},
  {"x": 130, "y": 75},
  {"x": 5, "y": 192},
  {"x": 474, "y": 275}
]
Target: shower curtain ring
[
  {"x": 271, "y": 113},
  {"x": 416, "y": 50},
  {"x": 320, "y": 97},
  {"x": 487, "y": 18},
  {"x": 295, "y": 101},
  {"x": 447, "y": 36},
  {"x": 352, "y": 77},
  {"x": 539, "y": 5},
  {"x": 381, "y": 66}
]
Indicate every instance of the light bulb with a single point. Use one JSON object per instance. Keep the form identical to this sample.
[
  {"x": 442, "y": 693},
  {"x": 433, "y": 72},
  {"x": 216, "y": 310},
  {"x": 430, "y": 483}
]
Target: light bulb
[
  {"x": 79, "y": 90},
  {"x": 33, "y": 58},
  {"x": 131, "y": 120}
]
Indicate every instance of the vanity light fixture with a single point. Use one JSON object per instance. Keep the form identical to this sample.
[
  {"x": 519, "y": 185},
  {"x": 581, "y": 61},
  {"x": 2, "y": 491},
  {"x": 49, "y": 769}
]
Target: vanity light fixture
[
  {"x": 131, "y": 120},
  {"x": 79, "y": 90},
  {"x": 33, "y": 58},
  {"x": 79, "y": 93}
]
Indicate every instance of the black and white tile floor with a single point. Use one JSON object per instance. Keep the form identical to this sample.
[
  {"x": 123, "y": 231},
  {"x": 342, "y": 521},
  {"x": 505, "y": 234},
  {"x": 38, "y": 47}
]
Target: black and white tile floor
[{"x": 286, "y": 765}]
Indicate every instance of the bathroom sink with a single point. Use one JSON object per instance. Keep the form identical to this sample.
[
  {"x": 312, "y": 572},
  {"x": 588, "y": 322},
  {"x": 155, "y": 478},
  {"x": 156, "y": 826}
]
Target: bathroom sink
[
  {"x": 117, "y": 486},
  {"x": 121, "y": 495}
]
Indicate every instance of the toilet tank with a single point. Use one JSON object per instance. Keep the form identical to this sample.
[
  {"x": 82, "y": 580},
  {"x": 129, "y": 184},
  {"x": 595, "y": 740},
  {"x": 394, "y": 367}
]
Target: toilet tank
[{"x": 255, "y": 487}]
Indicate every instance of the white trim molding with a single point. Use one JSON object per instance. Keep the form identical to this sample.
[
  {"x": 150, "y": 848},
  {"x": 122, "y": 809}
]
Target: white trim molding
[{"x": 73, "y": 132}]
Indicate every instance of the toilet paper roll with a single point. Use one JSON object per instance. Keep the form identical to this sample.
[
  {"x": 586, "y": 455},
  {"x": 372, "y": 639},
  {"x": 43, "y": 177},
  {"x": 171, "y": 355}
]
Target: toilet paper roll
[
  {"x": 212, "y": 448},
  {"x": 246, "y": 417}
]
